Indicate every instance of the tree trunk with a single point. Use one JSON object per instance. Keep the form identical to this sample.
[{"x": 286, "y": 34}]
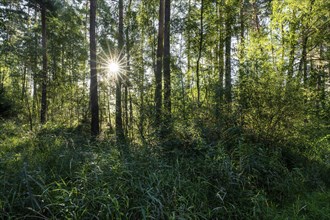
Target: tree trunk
[
  {"x": 189, "y": 74},
  {"x": 167, "y": 61},
  {"x": 291, "y": 60},
  {"x": 256, "y": 18},
  {"x": 131, "y": 116},
  {"x": 126, "y": 109},
  {"x": 200, "y": 52},
  {"x": 95, "y": 129},
  {"x": 242, "y": 39},
  {"x": 303, "y": 60},
  {"x": 221, "y": 65},
  {"x": 292, "y": 27},
  {"x": 128, "y": 124},
  {"x": 120, "y": 137},
  {"x": 25, "y": 97},
  {"x": 228, "y": 61},
  {"x": 43, "y": 109},
  {"x": 141, "y": 89},
  {"x": 321, "y": 80},
  {"x": 158, "y": 73},
  {"x": 108, "y": 94},
  {"x": 34, "y": 76},
  {"x": 23, "y": 82}
]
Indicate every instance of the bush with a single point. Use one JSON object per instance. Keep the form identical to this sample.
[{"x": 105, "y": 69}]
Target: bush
[{"x": 7, "y": 107}]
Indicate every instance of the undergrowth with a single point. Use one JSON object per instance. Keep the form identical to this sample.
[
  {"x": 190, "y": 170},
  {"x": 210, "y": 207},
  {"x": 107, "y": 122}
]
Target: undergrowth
[{"x": 57, "y": 173}]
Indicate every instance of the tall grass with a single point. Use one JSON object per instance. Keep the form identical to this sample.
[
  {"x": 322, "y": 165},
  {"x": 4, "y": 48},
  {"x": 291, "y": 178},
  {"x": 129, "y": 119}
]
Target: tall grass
[{"x": 57, "y": 173}]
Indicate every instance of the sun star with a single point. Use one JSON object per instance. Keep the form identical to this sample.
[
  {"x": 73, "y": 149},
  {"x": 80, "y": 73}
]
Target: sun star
[{"x": 113, "y": 67}]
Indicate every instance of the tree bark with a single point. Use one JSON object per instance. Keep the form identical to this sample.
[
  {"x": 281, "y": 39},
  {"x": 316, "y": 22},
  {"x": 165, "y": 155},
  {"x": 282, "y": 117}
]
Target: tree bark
[
  {"x": 303, "y": 60},
  {"x": 200, "y": 52},
  {"x": 221, "y": 64},
  {"x": 95, "y": 129},
  {"x": 167, "y": 61},
  {"x": 43, "y": 109},
  {"x": 141, "y": 88},
  {"x": 228, "y": 61},
  {"x": 189, "y": 74},
  {"x": 292, "y": 41},
  {"x": 120, "y": 137},
  {"x": 128, "y": 124},
  {"x": 131, "y": 116},
  {"x": 242, "y": 38},
  {"x": 158, "y": 73},
  {"x": 126, "y": 109}
]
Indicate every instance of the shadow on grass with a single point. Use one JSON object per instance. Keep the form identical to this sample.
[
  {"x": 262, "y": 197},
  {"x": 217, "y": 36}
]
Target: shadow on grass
[{"x": 59, "y": 173}]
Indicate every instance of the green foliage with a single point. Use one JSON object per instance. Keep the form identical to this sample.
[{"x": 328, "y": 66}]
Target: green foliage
[
  {"x": 264, "y": 155},
  {"x": 57, "y": 173},
  {"x": 270, "y": 108},
  {"x": 307, "y": 206},
  {"x": 6, "y": 106}
]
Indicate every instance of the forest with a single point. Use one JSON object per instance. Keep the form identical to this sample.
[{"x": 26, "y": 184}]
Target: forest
[{"x": 165, "y": 109}]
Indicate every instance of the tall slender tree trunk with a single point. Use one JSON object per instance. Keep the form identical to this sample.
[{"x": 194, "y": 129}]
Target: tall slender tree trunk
[
  {"x": 282, "y": 67},
  {"x": 95, "y": 129},
  {"x": 321, "y": 80},
  {"x": 25, "y": 97},
  {"x": 85, "y": 73},
  {"x": 120, "y": 137},
  {"x": 189, "y": 76},
  {"x": 256, "y": 18},
  {"x": 303, "y": 60},
  {"x": 292, "y": 46},
  {"x": 127, "y": 119},
  {"x": 141, "y": 89},
  {"x": 167, "y": 61},
  {"x": 158, "y": 73},
  {"x": 228, "y": 60},
  {"x": 34, "y": 76},
  {"x": 221, "y": 64},
  {"x": 291, "y": 60},
  {"x": 126, "y": 109},
  {"x": 201, "y": 34},
  {"x": 23, "y": 82},
  {"x": 43, "y": 109},
  {"x": 142, "y": 111},
  {"x": 2, "y": 76},
  {"x": 101, "y": 112},
  {"x": 131, "y": 116},
  {"x": 242, "y": 38},
  {"x": 108, "y": 94},
  {"x": 183, "y": 82}
]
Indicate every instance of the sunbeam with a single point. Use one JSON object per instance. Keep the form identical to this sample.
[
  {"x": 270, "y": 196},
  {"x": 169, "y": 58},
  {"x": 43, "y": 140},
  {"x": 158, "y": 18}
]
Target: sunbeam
[{"x": 112, "y": 65}]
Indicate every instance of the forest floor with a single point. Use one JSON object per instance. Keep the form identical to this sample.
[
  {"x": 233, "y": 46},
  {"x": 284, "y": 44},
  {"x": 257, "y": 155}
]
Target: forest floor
[{"x": 58, "y": 173}]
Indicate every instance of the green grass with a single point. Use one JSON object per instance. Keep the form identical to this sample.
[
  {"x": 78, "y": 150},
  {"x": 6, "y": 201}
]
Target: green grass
[
  {"x": 57, "y": 173},
  {"x": 312, "y": 205}
]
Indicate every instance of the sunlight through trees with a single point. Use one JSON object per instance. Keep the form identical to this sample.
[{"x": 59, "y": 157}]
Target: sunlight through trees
[{"x": 226, "y": 91}]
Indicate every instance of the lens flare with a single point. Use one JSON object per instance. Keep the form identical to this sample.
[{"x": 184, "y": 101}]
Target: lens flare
[{"x": 112, "y": 65}]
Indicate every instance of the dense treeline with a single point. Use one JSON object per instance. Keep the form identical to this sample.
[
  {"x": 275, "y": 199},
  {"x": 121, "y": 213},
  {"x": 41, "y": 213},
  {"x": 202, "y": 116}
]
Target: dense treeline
[{"x": 164, "y": 109}]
